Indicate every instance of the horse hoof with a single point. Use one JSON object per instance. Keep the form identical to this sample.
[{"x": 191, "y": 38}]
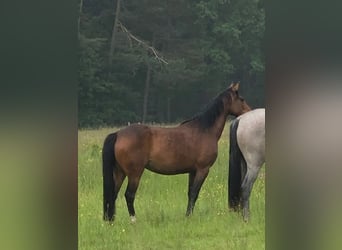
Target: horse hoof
[
  {"x": 246, "y": 219},
  {"x": 234, "y": 209},
  {"x": 133, "y": 219}
]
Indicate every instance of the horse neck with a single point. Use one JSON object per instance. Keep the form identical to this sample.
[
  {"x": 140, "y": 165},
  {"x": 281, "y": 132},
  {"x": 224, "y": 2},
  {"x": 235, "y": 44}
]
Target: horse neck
[{"x": 218, "y": 126}]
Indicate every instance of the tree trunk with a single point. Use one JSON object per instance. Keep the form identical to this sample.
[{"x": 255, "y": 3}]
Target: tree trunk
[
  {"x": 112, "y": 43},
  {"x": 79, "y": 19},
  {"x": 147, "y": 84},
  {"x": 168, "y": 109},
  {"x": 146, "y": 92}
]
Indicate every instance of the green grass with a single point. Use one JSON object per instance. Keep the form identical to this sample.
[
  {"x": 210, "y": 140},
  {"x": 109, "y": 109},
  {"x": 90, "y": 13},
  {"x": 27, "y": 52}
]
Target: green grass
[{"x": 160, "y": 206}]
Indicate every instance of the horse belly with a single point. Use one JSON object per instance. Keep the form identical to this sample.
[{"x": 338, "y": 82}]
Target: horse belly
[
  {"x": 168, "y": 170},
  {"x": 166, "y": 160}
]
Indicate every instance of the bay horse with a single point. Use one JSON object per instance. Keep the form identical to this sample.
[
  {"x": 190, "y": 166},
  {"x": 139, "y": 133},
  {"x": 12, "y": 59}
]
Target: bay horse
[
  {"x": 246, "y": 156},
  {"x": 191, "y": 147}
]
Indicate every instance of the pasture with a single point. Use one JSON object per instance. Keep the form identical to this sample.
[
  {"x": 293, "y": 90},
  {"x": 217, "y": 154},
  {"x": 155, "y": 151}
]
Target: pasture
[{"x": 160, "y": 206}]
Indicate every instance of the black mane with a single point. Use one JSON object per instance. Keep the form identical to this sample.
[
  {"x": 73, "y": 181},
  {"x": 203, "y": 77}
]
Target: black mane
[{"x": 213, "y": 110}]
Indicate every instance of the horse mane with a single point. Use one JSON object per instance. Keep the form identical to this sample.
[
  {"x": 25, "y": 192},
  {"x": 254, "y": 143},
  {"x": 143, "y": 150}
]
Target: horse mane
[{"x": 212, "y": 111}]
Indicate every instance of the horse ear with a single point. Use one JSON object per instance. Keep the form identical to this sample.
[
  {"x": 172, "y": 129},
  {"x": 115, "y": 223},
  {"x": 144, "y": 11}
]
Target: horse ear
[{"x": 235, "y": 86}]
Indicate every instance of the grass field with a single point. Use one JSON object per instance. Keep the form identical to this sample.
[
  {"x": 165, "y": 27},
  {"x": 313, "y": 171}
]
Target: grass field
[{"x": 160, "y": 206}]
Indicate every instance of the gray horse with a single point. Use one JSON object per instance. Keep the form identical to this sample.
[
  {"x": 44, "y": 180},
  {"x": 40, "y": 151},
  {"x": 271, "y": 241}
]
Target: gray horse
[{"x": 246, "y": 156}]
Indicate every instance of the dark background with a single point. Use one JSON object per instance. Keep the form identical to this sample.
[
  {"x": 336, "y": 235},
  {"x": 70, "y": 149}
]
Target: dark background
[{"x": 205, "y": 44}]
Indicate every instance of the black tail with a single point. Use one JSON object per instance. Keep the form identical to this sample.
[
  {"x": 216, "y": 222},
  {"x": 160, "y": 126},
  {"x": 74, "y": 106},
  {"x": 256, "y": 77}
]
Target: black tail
[
  {"x": 108, "y": 163},
  {"x": 237, "y": 168}
]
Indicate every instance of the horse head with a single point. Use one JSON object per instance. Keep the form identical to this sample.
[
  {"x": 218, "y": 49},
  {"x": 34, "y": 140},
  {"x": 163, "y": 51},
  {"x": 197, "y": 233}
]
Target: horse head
[{"x": 235, "y": 104}]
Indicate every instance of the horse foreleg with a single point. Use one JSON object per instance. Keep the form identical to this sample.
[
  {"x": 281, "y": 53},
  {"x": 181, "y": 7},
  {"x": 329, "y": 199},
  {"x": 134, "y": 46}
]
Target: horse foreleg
[
  {"x": 196, "y": 180},
  {"x": 191, "y": 182}
]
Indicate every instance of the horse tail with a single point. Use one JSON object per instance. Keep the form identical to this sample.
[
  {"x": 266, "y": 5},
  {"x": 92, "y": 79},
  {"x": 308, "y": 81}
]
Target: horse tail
[
  {"x": 108, "y": 163},
  {"x": 237, "y": 168}
]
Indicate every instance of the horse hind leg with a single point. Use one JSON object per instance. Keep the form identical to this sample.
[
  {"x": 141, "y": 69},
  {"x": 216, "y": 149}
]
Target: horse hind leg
[
  {"x": 132, "y": 186},
  {"x": 119, "y": 177},
  {"x": 246, "y": 189}
]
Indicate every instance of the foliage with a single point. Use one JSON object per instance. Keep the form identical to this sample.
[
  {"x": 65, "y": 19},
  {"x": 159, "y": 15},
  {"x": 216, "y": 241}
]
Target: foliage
[{"x": 207, "y": 44}]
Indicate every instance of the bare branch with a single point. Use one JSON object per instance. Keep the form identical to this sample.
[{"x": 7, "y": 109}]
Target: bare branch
[{"x": 130, "y": 36}]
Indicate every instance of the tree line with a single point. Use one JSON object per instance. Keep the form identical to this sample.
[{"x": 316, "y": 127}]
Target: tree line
[{"x": 163, "y": 60}]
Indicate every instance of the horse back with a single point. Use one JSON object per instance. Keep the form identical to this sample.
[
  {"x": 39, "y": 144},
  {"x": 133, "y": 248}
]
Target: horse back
[
  {"x": 164, "y": 150},
  {"x": 180, "y": 149}
]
